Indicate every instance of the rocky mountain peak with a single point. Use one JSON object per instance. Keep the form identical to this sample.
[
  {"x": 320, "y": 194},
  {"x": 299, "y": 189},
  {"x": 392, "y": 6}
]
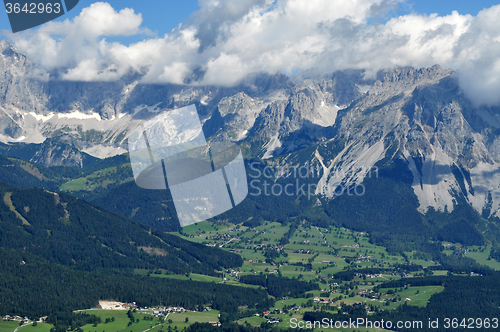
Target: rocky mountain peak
[
  {"x": 421, "y": 117},
  {"x": 62, "y": 151},
  {"x": 405, "y": 80},
  {"x": 10, "y": 55},
  {"x": 418, "y": 115},
  {"x": 414, "y": 75},
  {"x": 4, "y": 45},
  {"x": 6, "y": 48}
]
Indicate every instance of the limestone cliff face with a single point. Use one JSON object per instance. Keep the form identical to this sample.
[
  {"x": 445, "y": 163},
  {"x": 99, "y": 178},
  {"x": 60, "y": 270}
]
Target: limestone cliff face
[
  {"x": 62, "y": 151},
  {"x": 418, "y": 115},
  {"x": 34, "y": 107}
]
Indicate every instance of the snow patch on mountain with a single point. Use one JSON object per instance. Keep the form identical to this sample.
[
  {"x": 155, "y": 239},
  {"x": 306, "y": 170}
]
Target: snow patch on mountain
[
  {"x": 73, "y": 115},
  {"x": 41, "y": 117},
  {"x": 79, "y": 115}
]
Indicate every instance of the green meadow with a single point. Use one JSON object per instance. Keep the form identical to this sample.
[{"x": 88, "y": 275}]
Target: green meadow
[
  {"x": 417, "y": 296},
  {"x": 121, "y": 321},
  {"x": 8, "y": 326},
  {"x": 481, "y": 255}
]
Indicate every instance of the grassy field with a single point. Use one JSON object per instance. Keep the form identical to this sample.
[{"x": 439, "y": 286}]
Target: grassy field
[
  {"x": 295, "y": 301},
  {"x": 30, "y": 168},
  {"x": 254, "y": 321},
  {"x": 256, "y": 267},
  {"x": 8, "y": 326},
  {"x": 294, "y": 271},
  {"x": 40, "y": 327},
  {"x": 251, "y": 254},
  {"x": 8, "y": 201},
  {"x": 198, "y": 228},
  {"x": 73, "y": 185},
  {"x": 481, "y": 254},
  {"x": 308, "y": 244},
  {"x": 417, "y": 296},
  {"x": 423, "y": 262},
  {"x": 179, "y": 319},
  {"x": 121, "y": 321},
  {"x": 100, "y": 178},
  {"x": 313, "y": 252}
]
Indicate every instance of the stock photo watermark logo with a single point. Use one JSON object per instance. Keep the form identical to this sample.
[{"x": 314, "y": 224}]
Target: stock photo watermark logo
[
  {"x": 27, "y": 14},
  {"x": 170, "y": 151},
  {"x": 305, "y": 180}
]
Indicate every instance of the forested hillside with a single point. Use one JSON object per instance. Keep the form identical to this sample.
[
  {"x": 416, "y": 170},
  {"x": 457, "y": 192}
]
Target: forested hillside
[
  {"x": 72, "y": 232},
  {"x": 68, "y": 254},
  {"x": 32, "y": 286}
]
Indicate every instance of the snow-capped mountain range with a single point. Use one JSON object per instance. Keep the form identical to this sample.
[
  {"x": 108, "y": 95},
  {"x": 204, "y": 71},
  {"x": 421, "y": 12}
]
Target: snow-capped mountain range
[{"x": 418, "y": 115}]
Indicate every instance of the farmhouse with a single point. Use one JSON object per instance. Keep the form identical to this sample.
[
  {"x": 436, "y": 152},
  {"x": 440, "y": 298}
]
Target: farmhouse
[{"x": 273, "y": 320}]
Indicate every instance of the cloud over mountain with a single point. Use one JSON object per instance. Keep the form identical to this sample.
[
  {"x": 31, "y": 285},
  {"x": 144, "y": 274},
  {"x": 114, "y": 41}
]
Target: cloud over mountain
[{"x": 225, "y": 41}]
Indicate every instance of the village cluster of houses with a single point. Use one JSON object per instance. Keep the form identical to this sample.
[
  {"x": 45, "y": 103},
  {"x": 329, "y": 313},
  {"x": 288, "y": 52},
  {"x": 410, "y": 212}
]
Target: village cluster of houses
[
  {"x": 155, "y": 311},
  {"x": 24, "y": 320},
  {"x": 223, "y": 237},
  {"x": 254, "y": 261},
  {"x": 271, "y": 319},
  {"x": 368, "y": 275},
  {"x": 257, "y": 231},
  {"x": 351, "y": 245},
  {"x": 162, "y": 311},
  {"x": 16, "y": 318},
  {"x": 322, "y": 300},
  {"x": 233, "y": 273},
  {"x": 266, "y": 246},
  {"x": 368, "y": 293}
]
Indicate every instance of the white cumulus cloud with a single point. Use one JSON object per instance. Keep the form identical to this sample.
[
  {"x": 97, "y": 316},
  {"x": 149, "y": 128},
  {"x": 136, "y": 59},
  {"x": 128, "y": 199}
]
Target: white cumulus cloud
[{"x": 228, "y": 40}]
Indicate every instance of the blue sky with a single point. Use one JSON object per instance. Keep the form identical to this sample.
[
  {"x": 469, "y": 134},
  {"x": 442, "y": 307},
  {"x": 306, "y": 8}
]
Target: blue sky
[
  {"x": 445, "y": 7},
  {"x": 161, "y": 16},
  {"x": 158, "y": 15}
]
